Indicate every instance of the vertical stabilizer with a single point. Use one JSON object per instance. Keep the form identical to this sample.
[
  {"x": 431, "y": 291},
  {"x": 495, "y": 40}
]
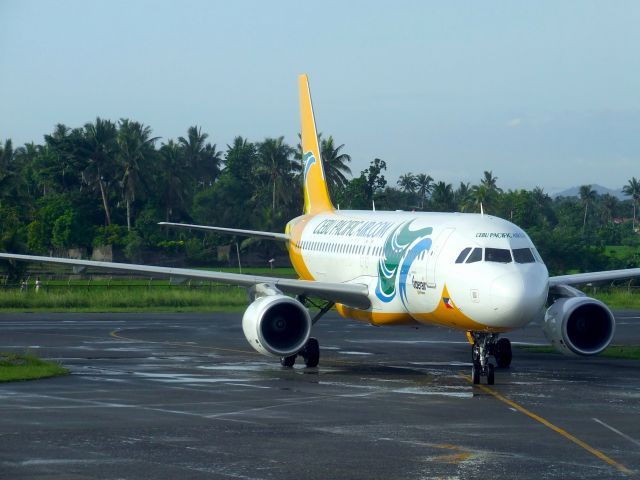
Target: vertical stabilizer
[{"x": 316, "y": 193}]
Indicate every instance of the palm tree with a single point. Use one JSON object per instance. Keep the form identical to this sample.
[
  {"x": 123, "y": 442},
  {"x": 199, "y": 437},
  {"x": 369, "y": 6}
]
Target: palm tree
[
  {"x": 210, "y": 165},
  {"x": 543, "y": 204},
  {"x": 479, "y": 196},
  {"x": 58, "y": 162},
  {"x": 407, "y": 183},
  {"x": 97, "y": 148},
  {"x": 587, "y": 197},
  {"x": 442, "y": 197},
  {"x": 275, "y": 166},
  {"x": 335, "y": 164},
  {"x": 461, "y": 195},
  {"x": 173, "y": 179},
  {"x": 135, "y": 149},
  {"x": 632, "y": 189},
  {"x": 240, "y": 159},
  {"x": 489, "y": 181},
  {"x": 424, "y": 185},
  {"x": 608, "y": 203},
  {"x": 7, "y": 169},
  {"x": 203, "y": 158}
]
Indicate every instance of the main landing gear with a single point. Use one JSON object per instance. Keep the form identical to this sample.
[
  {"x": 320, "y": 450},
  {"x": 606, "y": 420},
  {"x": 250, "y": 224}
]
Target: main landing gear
[
  {"x": 311, "y": 350},
  {"x": 482, "y": 346},
  {"x": 310, "y": 353}
]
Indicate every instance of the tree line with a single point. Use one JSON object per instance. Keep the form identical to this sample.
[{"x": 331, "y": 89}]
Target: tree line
[{"x": 109, "y": 183}]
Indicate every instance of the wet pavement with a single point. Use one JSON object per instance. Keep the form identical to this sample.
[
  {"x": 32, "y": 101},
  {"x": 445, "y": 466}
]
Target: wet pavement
[{"x": 183, "y": 396}]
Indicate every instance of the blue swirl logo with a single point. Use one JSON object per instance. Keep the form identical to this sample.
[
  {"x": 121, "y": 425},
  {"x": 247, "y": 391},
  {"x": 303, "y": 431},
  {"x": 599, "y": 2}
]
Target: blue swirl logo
[
  {"x": 309, "y": 160},
  {"x": 400, "y": 250}
]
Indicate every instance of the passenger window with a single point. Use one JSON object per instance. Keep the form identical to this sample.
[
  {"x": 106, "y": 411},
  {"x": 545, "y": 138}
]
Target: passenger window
[
  {"x": 463, "y": 255},
  {"x": 476, "y": 256},
  {"x": 523, "y": 255},
  {"x": 498, "y": 255}
]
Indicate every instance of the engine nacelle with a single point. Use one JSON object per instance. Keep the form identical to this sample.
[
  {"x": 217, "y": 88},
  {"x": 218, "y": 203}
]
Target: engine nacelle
[
  {"x": 579, "y": 325},
  {"x": 276, "y": 325}
]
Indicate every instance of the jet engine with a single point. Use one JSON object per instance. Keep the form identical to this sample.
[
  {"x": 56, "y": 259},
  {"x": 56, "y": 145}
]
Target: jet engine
[
  {"x": 276, "y": 325},
  {"x": 579, "y": 325}
]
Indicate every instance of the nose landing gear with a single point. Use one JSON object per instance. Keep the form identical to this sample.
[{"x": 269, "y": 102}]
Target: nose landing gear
[{"x": 482, "y": 346}]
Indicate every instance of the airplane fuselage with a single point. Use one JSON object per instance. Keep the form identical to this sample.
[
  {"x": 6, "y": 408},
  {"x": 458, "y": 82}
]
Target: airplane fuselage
[{"x": 467, "y": 271}]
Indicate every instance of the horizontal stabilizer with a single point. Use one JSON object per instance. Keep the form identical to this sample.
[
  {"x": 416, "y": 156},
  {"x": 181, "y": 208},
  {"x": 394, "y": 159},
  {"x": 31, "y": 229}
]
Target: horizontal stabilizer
[{"x": 231, "y": 231}]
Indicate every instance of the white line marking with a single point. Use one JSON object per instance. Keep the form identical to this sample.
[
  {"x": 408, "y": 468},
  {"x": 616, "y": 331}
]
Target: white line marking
[{"x": 615, "y": 430}]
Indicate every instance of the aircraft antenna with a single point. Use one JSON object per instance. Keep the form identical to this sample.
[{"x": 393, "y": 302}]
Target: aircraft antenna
[
  {"x": 373, "y": 204},
  {"x": 481, "y": 209}
]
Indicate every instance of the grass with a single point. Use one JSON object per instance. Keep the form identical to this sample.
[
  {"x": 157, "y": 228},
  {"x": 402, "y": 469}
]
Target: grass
[
  {"x": 627, "y": 352},
  {"x": 182, "y": 299},
  {"x": 620, "y": 251},
  {"x": 14, "y": 367},
  {"x": 618, "y": 299}
]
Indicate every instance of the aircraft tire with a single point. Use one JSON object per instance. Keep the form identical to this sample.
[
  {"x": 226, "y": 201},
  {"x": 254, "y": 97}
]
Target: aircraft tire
[
  {"x": 289, "y": 361},
  {"x": 475, "y": 373},
  {"x": 311, "y": 353},
  {"x": 503, "y": 353},
  {"x": 491, "y": 375}
]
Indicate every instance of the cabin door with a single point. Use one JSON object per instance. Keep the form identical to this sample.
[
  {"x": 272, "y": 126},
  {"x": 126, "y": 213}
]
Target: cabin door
[{"x": 434, "y": 253}]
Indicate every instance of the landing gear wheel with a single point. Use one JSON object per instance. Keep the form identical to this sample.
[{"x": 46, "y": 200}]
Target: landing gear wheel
[
  {"x": 491, "y": 378},
  {"x": 288, "y": 361},
  {"x": 503, "y": 353},
  {"x": 311, "y": 353},
  {"x": 475, "y": 373}
]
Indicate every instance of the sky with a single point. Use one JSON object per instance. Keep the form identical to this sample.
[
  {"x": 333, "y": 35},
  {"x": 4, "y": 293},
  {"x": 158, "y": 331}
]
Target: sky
[{"x": 543, "y": 93}]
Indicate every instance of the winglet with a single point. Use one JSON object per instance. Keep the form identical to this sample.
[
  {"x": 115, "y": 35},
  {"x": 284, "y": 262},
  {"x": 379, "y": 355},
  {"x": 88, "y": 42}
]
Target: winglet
[{"x": 316, "y": 193}]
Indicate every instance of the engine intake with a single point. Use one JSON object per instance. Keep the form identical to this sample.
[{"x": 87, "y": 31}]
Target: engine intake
[
  {"x": 579, "y": 325},
  {"x": 276, "y": 325}
]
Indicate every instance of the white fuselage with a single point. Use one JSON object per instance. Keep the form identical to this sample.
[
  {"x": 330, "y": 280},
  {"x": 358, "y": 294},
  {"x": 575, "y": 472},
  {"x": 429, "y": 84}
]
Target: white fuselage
[{"x": 466, "y": 271}]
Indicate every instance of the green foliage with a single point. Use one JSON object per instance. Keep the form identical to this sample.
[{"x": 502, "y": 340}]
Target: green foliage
[
  {"x": 64, "y": 227},
  {"x": 109, "y": 183},
  {"x": 134, "y": 247},
  {"x": 14, "y": 367},
  {"x": 110, "y": 235},
  {"x": 11, "y": 240}
]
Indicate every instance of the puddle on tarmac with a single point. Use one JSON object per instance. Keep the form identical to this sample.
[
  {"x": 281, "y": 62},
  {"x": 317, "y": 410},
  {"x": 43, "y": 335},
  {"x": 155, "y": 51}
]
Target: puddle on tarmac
[
  {"x": 464, "y": 392},
  {"x": 185, "y": 378},
  {"x": 241, "y": 367}
]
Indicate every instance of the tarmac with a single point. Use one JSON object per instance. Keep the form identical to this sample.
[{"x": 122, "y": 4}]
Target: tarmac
[{"x": 155, "y": 396}]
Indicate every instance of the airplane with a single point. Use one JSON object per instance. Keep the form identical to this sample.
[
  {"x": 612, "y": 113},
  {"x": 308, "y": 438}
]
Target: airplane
[{"x": 471, "y": 272}]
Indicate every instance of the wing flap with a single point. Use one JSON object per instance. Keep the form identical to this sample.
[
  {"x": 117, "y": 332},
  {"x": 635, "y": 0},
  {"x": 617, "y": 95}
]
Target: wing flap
[
  {"x": 231, "y": 231},
  {"x": 354, "y": 295}
]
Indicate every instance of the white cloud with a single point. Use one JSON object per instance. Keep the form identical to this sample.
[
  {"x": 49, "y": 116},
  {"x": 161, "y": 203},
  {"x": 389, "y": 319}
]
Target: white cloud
[{"x": 514, "y": 122}]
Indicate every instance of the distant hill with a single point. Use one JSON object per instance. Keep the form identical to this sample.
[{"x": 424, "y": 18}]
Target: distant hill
[{"x": 575, "y": 192}]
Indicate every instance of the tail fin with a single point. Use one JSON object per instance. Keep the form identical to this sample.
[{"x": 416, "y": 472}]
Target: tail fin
[{"x": 316, "y": 193}]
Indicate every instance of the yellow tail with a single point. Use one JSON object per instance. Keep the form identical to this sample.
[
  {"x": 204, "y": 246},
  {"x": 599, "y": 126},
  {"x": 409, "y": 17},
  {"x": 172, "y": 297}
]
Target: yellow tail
[{"x": 316, "y": 193}]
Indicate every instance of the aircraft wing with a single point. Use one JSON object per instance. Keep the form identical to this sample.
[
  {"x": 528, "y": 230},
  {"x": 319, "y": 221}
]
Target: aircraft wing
[
  {"x": 231, "y": 231},
  {"x": 354, "y": 295},
  {"x": 594, "y": 277}
]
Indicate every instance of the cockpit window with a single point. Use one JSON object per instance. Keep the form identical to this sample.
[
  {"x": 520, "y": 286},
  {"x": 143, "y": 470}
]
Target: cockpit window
[
  {"x": 499, "y": 255},
  {"x": 476, "y": 256},
  {"x": 463, "y": 255},
  {"x": 523, "y": 255}
]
